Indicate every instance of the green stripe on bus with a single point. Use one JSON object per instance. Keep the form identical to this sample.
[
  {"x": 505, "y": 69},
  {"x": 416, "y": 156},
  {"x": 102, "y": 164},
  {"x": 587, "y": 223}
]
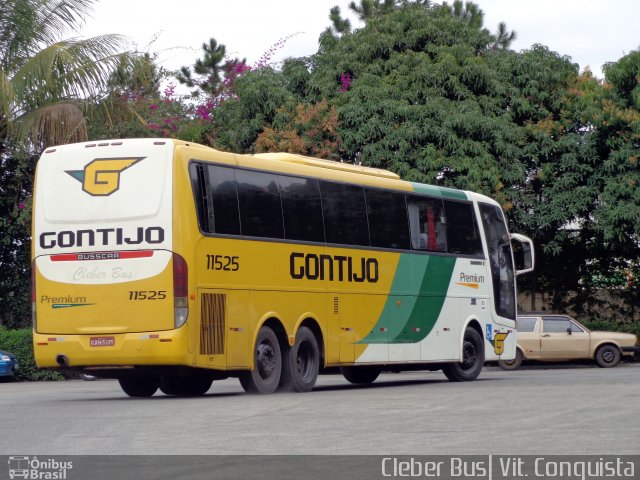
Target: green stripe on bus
[
  {"x": 407, "y": 318},
  {"x": 439, "y": 191},
  {"x": 428, "y": 305}
]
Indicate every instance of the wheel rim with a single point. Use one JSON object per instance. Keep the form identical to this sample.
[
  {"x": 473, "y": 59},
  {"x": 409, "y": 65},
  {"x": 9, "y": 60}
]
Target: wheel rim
[
  {"x": 470, "y": 354},
  {"x": 266, "y": 360},
  {"x": 608, "y": 356}
]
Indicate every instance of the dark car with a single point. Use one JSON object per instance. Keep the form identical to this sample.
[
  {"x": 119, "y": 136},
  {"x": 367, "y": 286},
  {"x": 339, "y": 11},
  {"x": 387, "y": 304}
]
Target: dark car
[{"x": 8, "y": 364}]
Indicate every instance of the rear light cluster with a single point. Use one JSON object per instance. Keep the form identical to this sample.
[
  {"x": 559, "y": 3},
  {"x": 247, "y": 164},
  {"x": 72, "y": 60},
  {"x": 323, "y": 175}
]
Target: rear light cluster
[{"x": 180, "y": 291}]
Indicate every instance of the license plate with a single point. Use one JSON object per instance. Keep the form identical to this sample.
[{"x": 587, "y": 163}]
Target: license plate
[{"x": 102, "y": 341}]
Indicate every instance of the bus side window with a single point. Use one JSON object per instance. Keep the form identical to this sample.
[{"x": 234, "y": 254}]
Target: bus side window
[
  {"x": 223, "y": 200},
  {"x": 260, "y": 207},
  {"x": 345, "y": 213},
  {"x": 387, "y": 215},
  {"x": 301, "y": 208},
  {"x": 462, "y": 229},
  {"x": 427, "y": 224}
]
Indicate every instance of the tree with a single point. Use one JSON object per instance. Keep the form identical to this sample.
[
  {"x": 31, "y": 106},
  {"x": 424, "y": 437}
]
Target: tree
[
  {"x": 618, "y": 130},
  {"x": 257, "y": 96},
  {"x": 552, "y": 199},
  {"x": 45, "y": 81},
  {"x": 215, "y": 72},
  {"x": 415, "y": 95},
  {"x": 303, "y": 129}
]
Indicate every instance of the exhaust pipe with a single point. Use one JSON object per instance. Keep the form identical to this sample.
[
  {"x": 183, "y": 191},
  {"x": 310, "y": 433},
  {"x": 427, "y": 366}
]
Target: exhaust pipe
[{"x": 62, "y": 360}]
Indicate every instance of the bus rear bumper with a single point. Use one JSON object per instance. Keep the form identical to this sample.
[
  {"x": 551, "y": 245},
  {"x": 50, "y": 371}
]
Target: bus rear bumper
[{"x": 123, "y": 349}]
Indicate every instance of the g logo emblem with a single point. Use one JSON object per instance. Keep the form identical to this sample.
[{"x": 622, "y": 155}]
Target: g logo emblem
[
  {"x": 101, "y": 177},
  {"x": 498, "y": 342}
]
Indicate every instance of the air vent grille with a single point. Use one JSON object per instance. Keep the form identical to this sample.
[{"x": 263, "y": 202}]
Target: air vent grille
[{"x": 212, "y": 325}]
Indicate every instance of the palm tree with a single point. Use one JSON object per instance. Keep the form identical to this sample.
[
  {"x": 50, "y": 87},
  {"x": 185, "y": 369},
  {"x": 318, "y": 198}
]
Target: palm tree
[{"x": 47, "y": 82}]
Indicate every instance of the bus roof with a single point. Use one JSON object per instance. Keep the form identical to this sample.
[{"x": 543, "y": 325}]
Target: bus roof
[
  {"x": 318, "y": 162},
  {"x": 337, "y": 169}
]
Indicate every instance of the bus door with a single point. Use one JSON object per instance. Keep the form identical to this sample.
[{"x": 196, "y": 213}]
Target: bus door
[{"x": 500, "y": 261}]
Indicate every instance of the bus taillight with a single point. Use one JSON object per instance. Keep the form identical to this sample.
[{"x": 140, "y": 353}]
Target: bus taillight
[{"x": 180, "y": 290}]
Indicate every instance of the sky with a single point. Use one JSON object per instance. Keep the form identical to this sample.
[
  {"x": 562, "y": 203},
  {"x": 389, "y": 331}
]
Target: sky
[{"x": 591, "y": 32}]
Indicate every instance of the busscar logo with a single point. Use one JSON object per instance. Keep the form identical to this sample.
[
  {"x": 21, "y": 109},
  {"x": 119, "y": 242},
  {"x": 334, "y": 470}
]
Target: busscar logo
[{"x": 101, "y": 177}]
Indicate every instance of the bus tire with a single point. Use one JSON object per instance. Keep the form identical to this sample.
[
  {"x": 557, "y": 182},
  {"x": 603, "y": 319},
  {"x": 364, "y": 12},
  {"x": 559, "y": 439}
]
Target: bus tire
[
  {"x": 607, "y": 356},
  {"x": 267, "y": 361},
  {"x": 363, "y": 375},
  {"x": 472, "y": 358},
  {"x": 301, "y": 363},
  {"x": 512, "y": 364},
  {"x": 194, "y": 385},
  {"x": 139, "y": 387}
]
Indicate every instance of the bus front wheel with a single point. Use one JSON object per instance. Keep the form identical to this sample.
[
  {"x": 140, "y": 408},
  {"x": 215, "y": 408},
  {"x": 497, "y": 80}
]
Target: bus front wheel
[
  {"x": 267, "y": 364},
  {"x": 139, "y": 387},
  {"x": 472, "y": 358}
]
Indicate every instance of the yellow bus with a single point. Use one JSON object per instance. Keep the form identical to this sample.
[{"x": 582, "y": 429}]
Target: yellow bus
[{"x": 168, "y": 265}]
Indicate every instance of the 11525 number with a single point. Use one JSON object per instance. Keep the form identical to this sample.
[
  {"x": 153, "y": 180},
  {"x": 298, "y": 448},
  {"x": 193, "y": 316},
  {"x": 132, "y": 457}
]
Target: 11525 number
[{"x": 223, "y": 262}]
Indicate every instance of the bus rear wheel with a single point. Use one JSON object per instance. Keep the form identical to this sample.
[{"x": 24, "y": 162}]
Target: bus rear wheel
[
  {"x": 301, "y": 363},
  {"x": 472, "y": 358},
  {"x": 139, "y": 387},
  {"x": 267, "y": 364},
  {"x": 363, "y": 375}
]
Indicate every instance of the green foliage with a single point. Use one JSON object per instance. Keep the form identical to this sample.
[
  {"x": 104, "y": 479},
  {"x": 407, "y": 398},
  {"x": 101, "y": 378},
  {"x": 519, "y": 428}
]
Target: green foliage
[
  {"x": 15, "y": 232},
  {"x": 257, "y": 96},
  {"x": 46, "y": 81},
  {"x": 422, "y": 100},
  {"x": 611, "y": 325},
  {"x": 617, "y": 129},
  {"x": 208, "y": 68},
  {"x": 20, "y": 343}
]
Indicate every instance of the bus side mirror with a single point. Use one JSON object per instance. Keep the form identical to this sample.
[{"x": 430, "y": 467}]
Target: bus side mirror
[{"x": 523, "y": 253}]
